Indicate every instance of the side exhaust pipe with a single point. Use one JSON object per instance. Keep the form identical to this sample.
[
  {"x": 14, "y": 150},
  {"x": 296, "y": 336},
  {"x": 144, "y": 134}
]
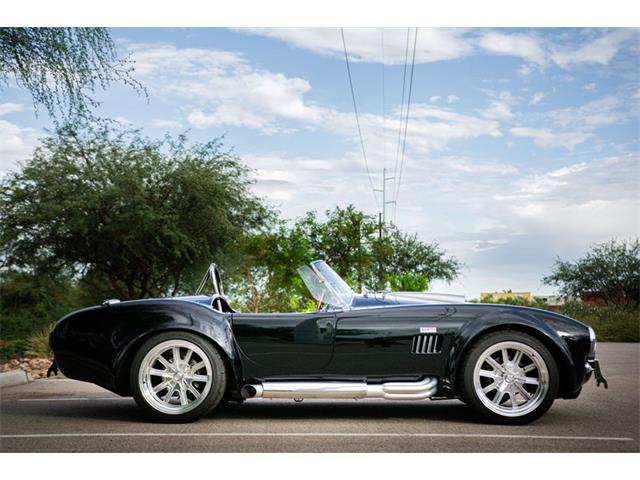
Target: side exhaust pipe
[{"x": 419, "y": 390}]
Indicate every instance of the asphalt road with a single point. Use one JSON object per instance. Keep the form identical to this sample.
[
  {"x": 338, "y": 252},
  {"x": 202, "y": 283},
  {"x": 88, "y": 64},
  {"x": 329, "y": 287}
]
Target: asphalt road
[{"x": 61, "y": 415}]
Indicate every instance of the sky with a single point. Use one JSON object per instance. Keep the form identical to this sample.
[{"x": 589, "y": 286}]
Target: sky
[{"x": 521, "y": 144}]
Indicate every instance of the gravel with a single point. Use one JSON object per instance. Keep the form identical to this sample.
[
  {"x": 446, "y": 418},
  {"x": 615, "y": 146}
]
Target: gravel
[{"x": 35, "y": 367}]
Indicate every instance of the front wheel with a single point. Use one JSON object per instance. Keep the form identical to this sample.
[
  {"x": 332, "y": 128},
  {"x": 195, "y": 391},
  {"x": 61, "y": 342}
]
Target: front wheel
[
  {"x": 177, "y": 377},
  {"x": 510, "y": 378}
]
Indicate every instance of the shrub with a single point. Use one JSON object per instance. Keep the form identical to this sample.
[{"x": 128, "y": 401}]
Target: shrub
[
  {"x": 37, "y": 344},
  {"x": 612, "y": 323}
]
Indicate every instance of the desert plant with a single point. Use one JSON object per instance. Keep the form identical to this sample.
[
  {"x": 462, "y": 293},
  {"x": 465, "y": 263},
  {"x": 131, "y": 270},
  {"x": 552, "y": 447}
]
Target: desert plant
[{"x": 37, "y": 344}]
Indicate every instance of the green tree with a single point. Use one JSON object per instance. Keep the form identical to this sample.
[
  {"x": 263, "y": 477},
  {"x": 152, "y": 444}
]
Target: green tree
[
  {"x": 263, "y": 273},
  {"x": 62, "y": 67},
  {"x": 343, "y": 240},
  {"x": 408, "y": 263},
  {"x": 610, "y": 271},
  {"x": 132, "y": 216}
]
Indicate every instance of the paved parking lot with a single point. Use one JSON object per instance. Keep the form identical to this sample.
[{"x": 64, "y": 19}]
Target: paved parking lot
[{"x": 61, "y": 415}]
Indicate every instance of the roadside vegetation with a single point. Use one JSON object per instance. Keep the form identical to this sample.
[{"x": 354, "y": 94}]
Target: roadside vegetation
[{"x": 601, "y": 289}]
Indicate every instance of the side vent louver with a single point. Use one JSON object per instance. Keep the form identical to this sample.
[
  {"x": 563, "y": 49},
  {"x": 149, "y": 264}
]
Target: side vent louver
[{"x": 426, "y": 344}]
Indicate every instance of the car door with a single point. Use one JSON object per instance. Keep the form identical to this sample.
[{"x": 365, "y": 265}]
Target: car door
[
  {"x": 284, "y": 343},
  {"x": 389, "y": 341}
]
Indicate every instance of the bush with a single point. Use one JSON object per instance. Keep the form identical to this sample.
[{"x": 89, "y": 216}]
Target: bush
[
  {"x": 37, "y": 344},
  {"x": 612, "y": 323},
  {"x": 11, "y": 349}
]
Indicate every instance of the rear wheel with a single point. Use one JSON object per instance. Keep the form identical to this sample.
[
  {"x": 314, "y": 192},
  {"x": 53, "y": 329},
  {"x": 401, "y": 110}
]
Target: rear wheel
[
  {"x": 177, "y": 377},
  {"x": 509, "y": 377}
]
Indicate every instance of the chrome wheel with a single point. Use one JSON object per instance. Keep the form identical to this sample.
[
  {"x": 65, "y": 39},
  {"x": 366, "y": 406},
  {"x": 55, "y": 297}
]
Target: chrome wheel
[
  {"x": 511, "y": 378},
  {"x": 175, "y": 376}
]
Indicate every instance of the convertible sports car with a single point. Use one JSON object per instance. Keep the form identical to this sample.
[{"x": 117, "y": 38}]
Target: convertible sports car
[{"x": 180, "y": 357}]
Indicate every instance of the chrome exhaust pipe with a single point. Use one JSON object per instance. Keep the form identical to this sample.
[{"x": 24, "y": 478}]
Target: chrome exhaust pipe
[{"x": 419, "y": 390}]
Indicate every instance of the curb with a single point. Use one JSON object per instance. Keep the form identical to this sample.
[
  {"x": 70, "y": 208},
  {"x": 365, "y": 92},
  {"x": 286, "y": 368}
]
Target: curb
[{"x": 13, "y": 377}]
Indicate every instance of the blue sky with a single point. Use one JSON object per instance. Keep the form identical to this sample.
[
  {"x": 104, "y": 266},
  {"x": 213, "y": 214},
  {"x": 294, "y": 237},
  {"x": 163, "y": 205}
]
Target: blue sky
[{"x": 522, "y": 144}]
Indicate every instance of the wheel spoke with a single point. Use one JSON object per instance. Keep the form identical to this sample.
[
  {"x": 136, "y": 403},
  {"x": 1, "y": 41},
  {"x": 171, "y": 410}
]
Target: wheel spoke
[
  {"x": 505, "y": 356},
  {"x": 183, "y": 394},
  {"x": 523, "y": 392},
  {"x": 197, "y": 367},
  {"x": 164, "y": 362},
  {"x": 499, "y": 395},
  {"x": 489, "y": 374},
  {"x": 187, "y": 358},
  {"x": 528, "y": 368},
  {"x": 193, "y": 390},
  {"x": 517, "y": 357},
  {"x": 176, "y": 355},
  {"x": 491, "y": 386},
  {"x": 169, "y": 394},
  {"x": 161, "y": 386},
  {"x": 160, "y": 373},
  {"x": 197, "y": 378},
  {"x": 531, "y": 381},
  {"x": 496, "y": 366}
]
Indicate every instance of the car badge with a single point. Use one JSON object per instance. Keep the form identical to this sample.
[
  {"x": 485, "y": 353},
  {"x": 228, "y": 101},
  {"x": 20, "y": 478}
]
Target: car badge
[{"x": 428, "y": 329}]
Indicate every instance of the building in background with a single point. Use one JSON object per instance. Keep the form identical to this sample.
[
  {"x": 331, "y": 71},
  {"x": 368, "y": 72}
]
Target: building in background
[{"x": 505, "y": 295}]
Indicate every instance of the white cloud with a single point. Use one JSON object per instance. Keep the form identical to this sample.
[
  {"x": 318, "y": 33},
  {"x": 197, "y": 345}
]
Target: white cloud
[
  {"x": 526, "y": 69},
  {"x": 467, "y": 165},
  {"x": 364, "y": 44},
  {"x": 515, "y": 44},
  {"x": 545, "y": 138},
  {"x": 600, "y": 51},
  {"x": 453, "y": 98},
  {"x": 603, "y": 111},
  {"x": 16, "y": 145},
  {"x": 500, "y": 107},
  {"x": 223, "y": 89},
  {"x": 433, "y": 128},
  {"x": 543, "y": 215},
  {"x": 575, "y": 125},
  {"x": 434, "y": 98},
  {"x": 537, "y": 97},
  {"x": 9, "y": 107},
  {"x": 234, "y": 92},
  {"x": 590, "y": 87},
  {"x": 438, "y": 44}
]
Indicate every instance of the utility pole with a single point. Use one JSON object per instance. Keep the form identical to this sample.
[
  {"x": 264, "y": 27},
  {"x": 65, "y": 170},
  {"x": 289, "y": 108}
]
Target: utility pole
[{"x": 385, "y": 179}]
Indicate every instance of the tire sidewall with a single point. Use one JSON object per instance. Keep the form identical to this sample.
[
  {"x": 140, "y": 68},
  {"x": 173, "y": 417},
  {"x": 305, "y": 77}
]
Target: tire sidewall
[
  {"x": 214, "y": 396},
  {"x": 468, "y": 391}
]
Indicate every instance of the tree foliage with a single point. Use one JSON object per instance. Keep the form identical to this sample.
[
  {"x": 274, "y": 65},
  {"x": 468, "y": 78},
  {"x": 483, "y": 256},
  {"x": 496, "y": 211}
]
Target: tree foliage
[
  {"x": 62, "y": 67},
  {"x": 610, "y": 271},
  {"x": 133, "y": 216},
  {"x": 350, "y": 242}
]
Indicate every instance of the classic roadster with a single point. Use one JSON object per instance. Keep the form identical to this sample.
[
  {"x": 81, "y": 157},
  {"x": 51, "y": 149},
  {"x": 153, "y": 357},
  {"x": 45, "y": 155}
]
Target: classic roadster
[{"x": 180, "y": 357}]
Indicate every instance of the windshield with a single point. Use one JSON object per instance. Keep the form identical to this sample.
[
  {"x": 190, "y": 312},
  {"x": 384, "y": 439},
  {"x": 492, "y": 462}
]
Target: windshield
[{"x": 325, "y": 285}]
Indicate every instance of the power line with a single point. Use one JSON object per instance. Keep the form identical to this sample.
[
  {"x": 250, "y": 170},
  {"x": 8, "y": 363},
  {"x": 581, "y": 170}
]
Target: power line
[
  {"x": 404, "y": 141},
  {"x": 355, "y": 110},
  {"x": 384, "y": 111},
  {"x": 404, "y": 81}
]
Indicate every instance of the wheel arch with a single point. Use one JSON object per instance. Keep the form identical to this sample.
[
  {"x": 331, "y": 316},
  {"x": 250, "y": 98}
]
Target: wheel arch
[
  {"x": 554, "y": 345},
  {"x": 127, "y": 355}
]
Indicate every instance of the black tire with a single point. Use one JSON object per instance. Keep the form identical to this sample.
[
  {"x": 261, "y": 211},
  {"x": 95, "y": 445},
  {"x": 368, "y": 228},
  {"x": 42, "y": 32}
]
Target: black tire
[
  {"x": 481, "y": 403},
  {"x": 205, "y": 404}
]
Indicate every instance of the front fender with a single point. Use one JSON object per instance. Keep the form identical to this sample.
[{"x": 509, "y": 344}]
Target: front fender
[{"x": 509, "y": 318}]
